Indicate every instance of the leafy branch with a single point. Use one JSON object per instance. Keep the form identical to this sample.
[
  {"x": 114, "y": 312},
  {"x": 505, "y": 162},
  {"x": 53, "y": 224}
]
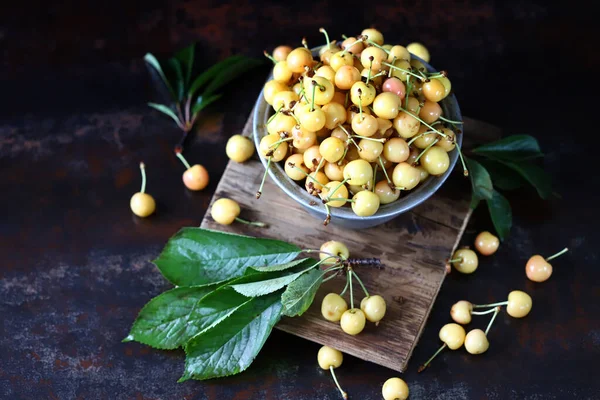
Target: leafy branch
[
  {"x": 232, "y": 290},
  {"x": 506, "y": 164},
  {"x": 189, "y": 97}
]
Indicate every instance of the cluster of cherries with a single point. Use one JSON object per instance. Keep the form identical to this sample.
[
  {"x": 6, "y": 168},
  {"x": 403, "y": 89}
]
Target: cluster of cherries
[
  {"x": 360, "y": 124},
  {"x": 352, "y": 320},
  {"x": 518, "y": 304}
]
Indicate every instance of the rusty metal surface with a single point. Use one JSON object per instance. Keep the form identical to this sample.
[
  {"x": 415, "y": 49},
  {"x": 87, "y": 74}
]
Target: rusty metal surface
[{"x": 74, "y": 262}]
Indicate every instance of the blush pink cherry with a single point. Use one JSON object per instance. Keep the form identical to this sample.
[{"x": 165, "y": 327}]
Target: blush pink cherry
[
  {"x": 394, "y": 85},
  {"x": 538, "y": 269}
]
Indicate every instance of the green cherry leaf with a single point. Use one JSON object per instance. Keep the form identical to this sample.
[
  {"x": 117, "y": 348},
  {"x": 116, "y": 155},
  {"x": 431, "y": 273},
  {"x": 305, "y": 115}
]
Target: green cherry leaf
[
  {"x": 165, "y": 110},
  {"x": 165, "y": 322},
  {"x": 481, "y": 183},
  {"x": 196, "y": 256},
  {"x": 263, "y": 287},
  {"x": 503, "y": 177},
  {"x": 299, "y": 295},
  {"x": 279, "y": 267},
  {"x": 204, "y": 101},
  {"x": 186, "y": 59},
  {"x": 229, "y": 348},
  {"x": 179, "y": 80},
  {"x": 211, "y": 73},
  {"x": 535, "y": 175},
  {"x": 230, "y": 73},
  {"x": 511, "y": 148},
  {"x": 152, "y": 61},
  {"x": 501, "y": 214}
]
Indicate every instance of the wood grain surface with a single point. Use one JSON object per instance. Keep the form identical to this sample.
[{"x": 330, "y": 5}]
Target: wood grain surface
[{"x": 413, "y": 247}]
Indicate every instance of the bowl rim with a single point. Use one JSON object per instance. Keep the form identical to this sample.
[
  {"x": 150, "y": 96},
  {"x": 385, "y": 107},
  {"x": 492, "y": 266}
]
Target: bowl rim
[{"x": 294, "y": 190}]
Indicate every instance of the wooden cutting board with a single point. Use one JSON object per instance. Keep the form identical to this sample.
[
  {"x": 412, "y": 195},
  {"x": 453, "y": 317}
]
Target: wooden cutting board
[{"x": 413, "y": 248}]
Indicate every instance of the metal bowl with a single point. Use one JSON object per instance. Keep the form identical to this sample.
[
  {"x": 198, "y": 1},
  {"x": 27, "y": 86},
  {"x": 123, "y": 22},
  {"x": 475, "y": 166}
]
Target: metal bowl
[{"x": 344, "y": 216}]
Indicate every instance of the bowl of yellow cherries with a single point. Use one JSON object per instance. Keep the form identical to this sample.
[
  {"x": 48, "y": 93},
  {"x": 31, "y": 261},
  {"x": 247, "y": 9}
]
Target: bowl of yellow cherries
[{"x": 357, "y": 131}]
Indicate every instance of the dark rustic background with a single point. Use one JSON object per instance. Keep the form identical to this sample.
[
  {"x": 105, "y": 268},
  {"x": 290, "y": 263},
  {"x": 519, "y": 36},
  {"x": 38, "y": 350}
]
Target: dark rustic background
[{"x": 74, "y": 262}]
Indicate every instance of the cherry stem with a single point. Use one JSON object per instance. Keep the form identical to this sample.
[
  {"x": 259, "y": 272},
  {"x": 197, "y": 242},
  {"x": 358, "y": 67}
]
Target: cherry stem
[
  {"x": 270, "y": 57},
  {"x": 415, "y": 116},
  {"x": 424, "y": 150},
  {"x": 390, "y": 70},
  {"x": 277, "y": 143},
  {"x": 436, "y": 75},
  {"x": 312, "y": 104},
  {"x": 459, "y": 259},
  {"x": 422, "y": 367},
  {"x": 496, "y": 311},
  {"x": 344, "y": 394},
  {"x": 344, "y": 155},
  {"x": 345, "y": 288},
  {"x": 350, "y": 137},
  {"x": 262, "y": 183},
  {"x": 324, "y": 32},
  {"x": 450, "y": 121},
  {"x": 351, "y": 292},
  {"x": 328, "y": 217},
  {"x": 462, "y": 159},
  {"x": 382, "y": 140},
  {"x": 143, "y": 171},
  {"x": 360, "y": 104},
  {"x": 359, "y": 40},
  {"x": 375, "y": 175},
  {"x": 389, "y": 181},
  {"x": 320, "y": 165},
  {"x": 369, "y": 72},
  {"x": 560, "y": 253},
  {"x": 404, "y": 70},
  {"x": 372, "y": 43},
  {"x": 328, "y": 198},
  {"x": 361, "y": 282},
  {"x": 308, "y": 176},
  {"x": 408, "y": 89},
  {"x": 183, "y": 160},
  {"x": 330, "y": 255},
  {"x": 491, "y": 310},
  {"x": 274, "y": 115},
  {"x": 253, "y": 223},
  {"x": 304, "y": 43},
  {"x": 501, "y": 303},
  {"x": 411, "y": 141}
]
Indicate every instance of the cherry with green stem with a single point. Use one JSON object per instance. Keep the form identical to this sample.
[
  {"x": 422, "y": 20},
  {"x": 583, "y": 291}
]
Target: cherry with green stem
[
  {"x": 425, "y": 150},
  {"x": 390, "y": 183},
  {"x": 328, "y": 359},
  {"x": 226, "y": 211},
  {"x": 142, "y": 204},
  {"x": 539, "y": 269},
  {"x": 195, "y": 177},
  {"x": 453, "y": 336}
]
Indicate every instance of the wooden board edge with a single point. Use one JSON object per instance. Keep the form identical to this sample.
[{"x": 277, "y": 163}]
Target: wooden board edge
[{"x": 422, "y": 327}]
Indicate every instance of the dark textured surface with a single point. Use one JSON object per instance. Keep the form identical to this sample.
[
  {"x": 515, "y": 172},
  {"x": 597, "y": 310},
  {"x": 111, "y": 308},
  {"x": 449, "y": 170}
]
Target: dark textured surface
[{"x": 74, "y": 262}]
